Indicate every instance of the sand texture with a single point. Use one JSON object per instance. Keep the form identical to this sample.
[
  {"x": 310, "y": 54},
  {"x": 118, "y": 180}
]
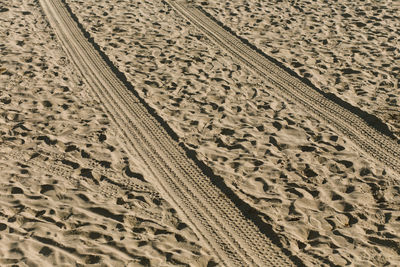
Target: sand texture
[
  {"x": 220, "y": 157},
  {"x": 69, "y": 194},
  {"x": 349, "y": 48}
]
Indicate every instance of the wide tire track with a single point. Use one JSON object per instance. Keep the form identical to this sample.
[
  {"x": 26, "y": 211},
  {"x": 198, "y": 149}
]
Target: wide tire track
[
  {"x": 377, "y": 145},
  {"x": 234, "y": 239}
]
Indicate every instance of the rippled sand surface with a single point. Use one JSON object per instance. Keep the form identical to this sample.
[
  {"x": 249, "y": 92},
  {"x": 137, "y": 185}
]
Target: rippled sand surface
[{"x": 60, "y": 160}]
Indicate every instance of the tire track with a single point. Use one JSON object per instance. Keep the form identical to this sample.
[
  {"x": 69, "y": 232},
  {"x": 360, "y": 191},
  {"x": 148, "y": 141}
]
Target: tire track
[
  {"x": 57, "y": 163},
  {"x": 377, "y": 145},
  {"x": 51, "y": 162},
  {"x": 212, "y": 215}
]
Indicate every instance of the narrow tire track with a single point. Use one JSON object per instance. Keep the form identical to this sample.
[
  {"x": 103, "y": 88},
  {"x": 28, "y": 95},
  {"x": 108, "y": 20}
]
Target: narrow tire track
[
  {"x": 374, "y": 143},
  {"x": 235, "y": 240}
]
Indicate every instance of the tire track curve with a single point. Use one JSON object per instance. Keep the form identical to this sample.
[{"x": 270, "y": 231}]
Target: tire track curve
[
  {"x": 235, "y": 240},
  {"x": 377, "y": 145}
]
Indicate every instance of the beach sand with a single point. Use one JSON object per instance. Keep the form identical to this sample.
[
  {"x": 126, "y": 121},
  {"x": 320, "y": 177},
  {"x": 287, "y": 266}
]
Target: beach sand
[
  {"x": 349, "y": 48},
  {"x": 69, "y": 194},
  {"x": 62, "y": 167}
]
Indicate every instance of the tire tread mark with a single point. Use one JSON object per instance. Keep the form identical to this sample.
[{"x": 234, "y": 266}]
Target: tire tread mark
[
  {"x": 375, "y": 144},
  {"x": 234, "y": 239}
]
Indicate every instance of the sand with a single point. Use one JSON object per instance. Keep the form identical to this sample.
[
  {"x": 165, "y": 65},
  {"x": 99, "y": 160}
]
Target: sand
[
  {"x": 327, "y": 202},
  {"x": 62, "y": 203},
  {"x": 349, "y": 48}
]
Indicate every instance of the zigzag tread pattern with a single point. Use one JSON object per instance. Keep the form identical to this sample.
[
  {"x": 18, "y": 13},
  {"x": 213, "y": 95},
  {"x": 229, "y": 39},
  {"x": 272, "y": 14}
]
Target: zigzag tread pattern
[
  {"x": 369, "y": 140},
  {"x": 233, "y": 238}
]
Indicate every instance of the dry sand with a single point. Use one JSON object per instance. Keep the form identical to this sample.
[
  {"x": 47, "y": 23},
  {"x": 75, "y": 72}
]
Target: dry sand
[
  {"x": 349, "y": 48},
  {"x": 61, "y": 163},
  {"x": 61, "y": 199}
]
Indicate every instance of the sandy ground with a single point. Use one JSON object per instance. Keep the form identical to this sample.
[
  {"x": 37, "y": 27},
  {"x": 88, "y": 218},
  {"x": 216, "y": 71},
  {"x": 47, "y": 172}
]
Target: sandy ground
[
  {"x": 349, "y": 48},
  {"x": 328, "y": 203},
  {"x": 69, "y": 196}
]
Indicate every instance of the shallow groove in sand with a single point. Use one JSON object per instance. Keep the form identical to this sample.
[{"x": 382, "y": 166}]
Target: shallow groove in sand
[
  {"x": 213, "y": 216},
  {"x": 377, "y": 145}
]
